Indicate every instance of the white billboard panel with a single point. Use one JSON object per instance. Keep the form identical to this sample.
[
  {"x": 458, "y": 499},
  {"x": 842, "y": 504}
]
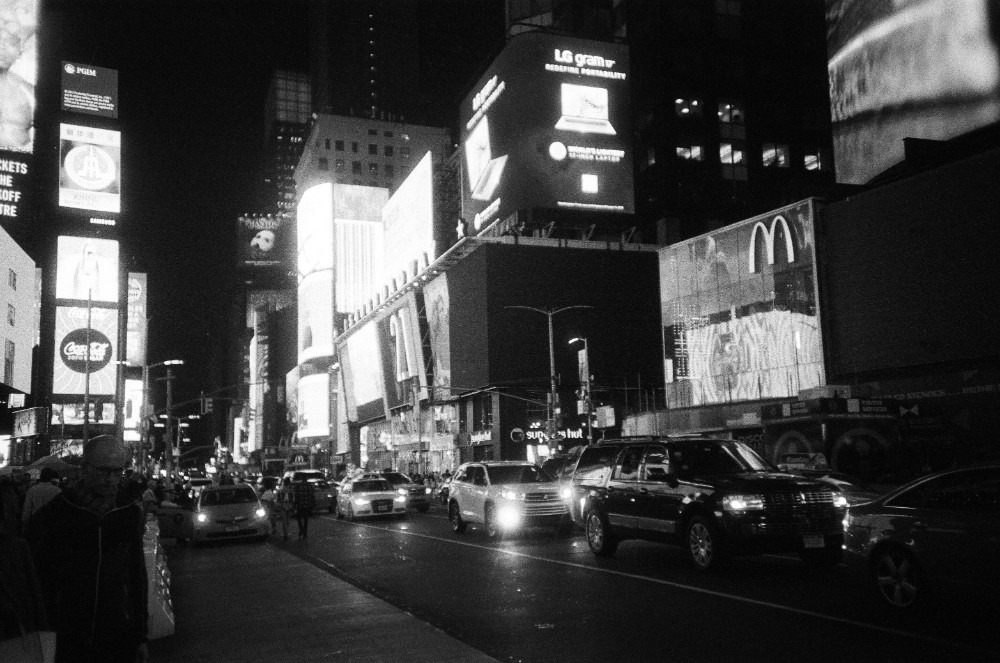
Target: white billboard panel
[
  {"x": 314, "y": 406},
  {"x": 87, "y": 265},
  {"x": 89, "y": 168},
  {"x": 133, "y": 404},
  {"x": 408, "y": 220},
  {"x": 314, "y": 226},
  {"x": 315, "y": 309},
  {"x": 136, "y": 330}
]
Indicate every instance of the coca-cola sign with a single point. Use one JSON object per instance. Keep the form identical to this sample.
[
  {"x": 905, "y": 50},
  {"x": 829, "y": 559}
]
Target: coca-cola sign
[{"x": 74, "y": 350}]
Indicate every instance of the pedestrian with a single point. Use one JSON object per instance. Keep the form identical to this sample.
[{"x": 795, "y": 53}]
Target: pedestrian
[
  {"x": 41, "y": 493},
  {"x": 304, "y": 500},
  {"x": 10, "y": 506},
  {"x": 284, "y": 504},
  {"x": 87, "y": 544},
  {"x": 24, "y": 629},
  {"x": 269, "y": 500}
]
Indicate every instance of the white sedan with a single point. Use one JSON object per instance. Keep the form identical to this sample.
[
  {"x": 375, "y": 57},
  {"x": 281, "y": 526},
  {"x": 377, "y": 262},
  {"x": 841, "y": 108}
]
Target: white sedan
[{"x": 369, "y": 497}]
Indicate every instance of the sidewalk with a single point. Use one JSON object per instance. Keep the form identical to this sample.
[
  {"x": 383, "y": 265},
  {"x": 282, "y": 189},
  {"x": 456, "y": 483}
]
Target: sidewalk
[{"x": 255, "y": 602}]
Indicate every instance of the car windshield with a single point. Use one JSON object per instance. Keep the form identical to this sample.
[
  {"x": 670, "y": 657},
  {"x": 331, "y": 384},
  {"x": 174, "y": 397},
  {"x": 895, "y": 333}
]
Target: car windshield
[
  {"x": 371, "y": 486},
  {"x": 708, "y": 458},
  {"x": 319, "y": 483},
  {"x": 517, "y": 474},
  {"x": 396, "y": 478},
  {"x": 314, "y": 474},
  {"x": 236, "y": 495}
]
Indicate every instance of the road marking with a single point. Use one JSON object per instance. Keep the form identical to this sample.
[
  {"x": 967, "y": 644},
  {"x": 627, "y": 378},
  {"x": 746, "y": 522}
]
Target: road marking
[{"x": 671, "y": 583}]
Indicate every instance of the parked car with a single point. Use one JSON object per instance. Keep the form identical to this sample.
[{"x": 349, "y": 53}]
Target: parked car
[
  {"x": 505, "y": 496},
  {"x": 369, "y": 497},
  {"x": 324, "y": 492},
  {"x": 217, "y": 513},
  {"x": 714, "y": 498},
  {"x": 417, "y": 494},
  {"x": 590, "y": 470},
  {"x": 938, "y": 533}
]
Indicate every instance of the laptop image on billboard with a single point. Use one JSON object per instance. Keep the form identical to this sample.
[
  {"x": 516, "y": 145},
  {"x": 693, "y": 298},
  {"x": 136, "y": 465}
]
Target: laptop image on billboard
[
  {"x": 484, "y": 171},
  {"x": 585, "y": 109}
]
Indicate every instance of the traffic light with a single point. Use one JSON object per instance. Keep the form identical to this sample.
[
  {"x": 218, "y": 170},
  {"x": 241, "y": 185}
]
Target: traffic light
[{"x": 209, "y": 404}]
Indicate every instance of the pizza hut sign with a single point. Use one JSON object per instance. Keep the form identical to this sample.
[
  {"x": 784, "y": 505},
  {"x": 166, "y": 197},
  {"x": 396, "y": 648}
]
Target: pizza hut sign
[{"x": 74, "y": 350}]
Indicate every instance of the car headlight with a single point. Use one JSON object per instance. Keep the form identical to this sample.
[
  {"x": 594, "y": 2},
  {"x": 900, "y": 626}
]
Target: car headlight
[
  {"x": 260, "y": 512},
  {"x": 566, "y": 492},
  {"x": 839, "y": 501},
  {"x": 202, "y": 518},
  {"x": 329, "y": 496},
  {"x": 427, "y": 491},
  {"x": 508, "y": 517},
  {"x": 401, "y": 491},
  {"x": 400, "y": 498},
  {"x": 511, "y": 495},
  {"x": 362, "y": 501},
  {"x": 743, "y": 502}
]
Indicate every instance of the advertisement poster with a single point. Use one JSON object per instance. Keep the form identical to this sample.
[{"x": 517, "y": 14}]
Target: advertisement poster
[
  {"x": 87, "y": 265},
  {"x": 741, "y": 312},
  {"x": 314, "y": 406},
  {"x": 136, "y": 328},
  {"x": 19, "y": 67},
  {"x": 402, "y": 352},
  {"x": 89, "y": 168},
  {"x": 85, "y": 354},
  {"x": 408, "y": 219},
  {"x": 359, "y": 360},
  {"x": 315, "y": 311},
  {"x": 314, "y": 218},
  {"x": 264, "y": 242},
  {"x": 548, "y": 125},
  {"x": 89, "y": 89},
  {"x": 436, "y": 303}
]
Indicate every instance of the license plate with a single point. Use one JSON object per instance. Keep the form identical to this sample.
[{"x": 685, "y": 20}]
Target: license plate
[
  {"x": 379, "y": 509},
  {"x": 233, "y": 529},
  {"x": 813, "y": 541}
]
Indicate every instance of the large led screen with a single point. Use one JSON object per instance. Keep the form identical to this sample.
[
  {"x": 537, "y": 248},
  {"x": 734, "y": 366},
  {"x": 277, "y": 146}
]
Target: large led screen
[
  {"x": 19, "y": 67},
  {"x": 359, "y": 244},
  {"x": 315, "y": 310},
  {"x": 87, "y": 268},
  {"x": 90, "y": 168},
  {"x": 921, "y": 69},
  {"x": 402, "y": 352},
  {"x": 359, "y": 360},
  {"x": 314, "y": 217},
  {"x": 740, "y": 311},
  {"x": 408, "y": 221},
  {"x": 548, "y": 125},
  {"x": 136, "y": 324},
  {"x": 74, "y": 363},
  {"x": 314, "y": 406},
  {"x": 436, "y": 302}
]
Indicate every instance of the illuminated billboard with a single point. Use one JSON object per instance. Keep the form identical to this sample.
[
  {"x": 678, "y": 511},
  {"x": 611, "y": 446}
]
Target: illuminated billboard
[
  {"x": 548, "y": 125},
  {"x": 402, "y": 352},
  {"x": 315, "y": 316},
  {"x": 136, "y": 327},
  {"x": 436, "y": 302},
  {"x": 133, "y": 404},
  {"x": 314, "y": 406},
  {"x": 920, "y": 69},
  {"x": 89, "y": 168},
  {"x": 740, "y": 311},
  {"x": 314, "y": 217},
  {"x": 408, "y": 221},
  {"x": 87, "y": 267},
  {"x": 81, "y": 351},
  {"x": 89, "y": 89},
  {"x": 19, "y": 67},
  {"x": 264, "y": 242},
  {"x": 359, "y": 361}
]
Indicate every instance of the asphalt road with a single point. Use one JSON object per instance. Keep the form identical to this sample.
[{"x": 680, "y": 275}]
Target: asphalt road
[{"x": 541, "y": 597}]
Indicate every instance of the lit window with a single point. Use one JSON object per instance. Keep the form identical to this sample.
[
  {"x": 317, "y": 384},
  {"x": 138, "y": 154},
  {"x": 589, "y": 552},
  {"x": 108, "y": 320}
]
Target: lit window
[
  {"x": 730, "y": 113},
  {"x": 689, "y": 152},
  {"x": 775, "y": 155},
  {"x": 687, "y": 107},
  {"x": 813, "y": 161},
  {"x": 728, "y": 154}
]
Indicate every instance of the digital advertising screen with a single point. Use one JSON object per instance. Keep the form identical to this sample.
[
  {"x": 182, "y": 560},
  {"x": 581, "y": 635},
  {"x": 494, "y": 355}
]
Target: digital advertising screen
[
  {"x": 19, "y": 67},
  {"x": 264, "y": 242},
  {"x": 548, "y": 125},
  {"x": 315, "y": 311},
  {"x": 918, "y": 69},
  {"x": 89, "y": 168},
  {"x": 82, "y": 351},
  {"x": 402, "y": 352},
  {"x": 87, "y": 265},
  {"x": 436, "y": 302},
  {"x": 89, "y": 89},
  {"x": 359, "y": 360},
  {"x": 136, "y": 324},
  {"x": 741, "y": 313},
  {"x": 314, "y": 406},
  {"x": 408, "y": 221},
  {"x": 359, "y": 243},
  {"x": 314, "y": 229},
  {"x": 133, "y": 404}
]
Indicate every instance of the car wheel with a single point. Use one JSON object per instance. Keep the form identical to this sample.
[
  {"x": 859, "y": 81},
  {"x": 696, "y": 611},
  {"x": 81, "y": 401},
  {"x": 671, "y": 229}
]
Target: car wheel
[
  {"x": 822, "y": 558},
  {"x": 702, "y": 544},
  {"x": 898, "y": 579},
  {"x": 599, "y": 537},
  {"x": 455, "y": 517},
  {"x": 492, "y": 527}
]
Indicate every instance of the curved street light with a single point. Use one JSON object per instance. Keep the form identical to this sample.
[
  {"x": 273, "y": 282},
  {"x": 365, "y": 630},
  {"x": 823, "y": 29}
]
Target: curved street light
[{"x": 584, "y": 359}]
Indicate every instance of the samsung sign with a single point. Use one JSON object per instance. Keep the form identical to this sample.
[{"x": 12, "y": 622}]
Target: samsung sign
[{"x": 548, "y": 126}]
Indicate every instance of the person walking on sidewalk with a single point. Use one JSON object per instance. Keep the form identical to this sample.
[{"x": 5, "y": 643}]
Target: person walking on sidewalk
[
  {"x": 304, "y": 500},
  {"x": 87, "y": 544},
  {"x": 283, "y": 502}
]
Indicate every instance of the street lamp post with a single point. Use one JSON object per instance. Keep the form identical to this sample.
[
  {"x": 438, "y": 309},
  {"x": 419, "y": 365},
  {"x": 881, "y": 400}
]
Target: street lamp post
[
  {"x": 584, "y": 359},
  {"x": 169, "y": 363},
  {"x": 553, "y": 408}
]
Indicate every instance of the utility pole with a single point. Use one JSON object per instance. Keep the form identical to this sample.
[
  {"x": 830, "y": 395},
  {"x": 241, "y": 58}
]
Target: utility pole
[{"x": 169, "y": 452}]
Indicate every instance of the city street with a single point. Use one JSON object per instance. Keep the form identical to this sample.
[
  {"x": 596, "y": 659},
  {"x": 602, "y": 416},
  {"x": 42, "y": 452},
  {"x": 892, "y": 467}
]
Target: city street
[{"x": 536, "y": 597}]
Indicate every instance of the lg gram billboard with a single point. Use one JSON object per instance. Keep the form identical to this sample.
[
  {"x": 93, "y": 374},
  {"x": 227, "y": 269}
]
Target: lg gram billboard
[{"x": 548, "y": 126}]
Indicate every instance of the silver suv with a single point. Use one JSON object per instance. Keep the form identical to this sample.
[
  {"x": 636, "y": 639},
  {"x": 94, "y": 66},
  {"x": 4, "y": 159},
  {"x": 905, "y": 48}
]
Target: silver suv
[{"x": 505, "y": 496}]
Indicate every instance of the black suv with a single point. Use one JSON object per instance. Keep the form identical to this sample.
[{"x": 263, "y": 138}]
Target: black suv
[
  {"x": 417, "y": 494},
  {"x": 713, "y": 497}
]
